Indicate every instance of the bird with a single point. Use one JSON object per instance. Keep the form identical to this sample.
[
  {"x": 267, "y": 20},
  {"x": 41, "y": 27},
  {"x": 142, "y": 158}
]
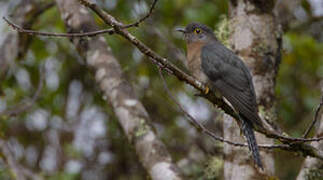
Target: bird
[{"x": 225, "y": 73}]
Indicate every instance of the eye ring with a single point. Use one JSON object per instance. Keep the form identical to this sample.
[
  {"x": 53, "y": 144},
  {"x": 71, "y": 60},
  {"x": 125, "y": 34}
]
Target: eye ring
[{"x": 197, "y": 31}]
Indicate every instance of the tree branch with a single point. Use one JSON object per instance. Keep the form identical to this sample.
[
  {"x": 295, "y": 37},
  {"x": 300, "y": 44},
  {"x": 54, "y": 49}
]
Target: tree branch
[
  {"x": 312, "y": 168},
  {"x": 39, "y": 33},
  {"x": 318, "y": 109},
  {"x": 82, "y": 34},
  {"x": 164, "y": 64},
  {"x": 130, "y": 112},
  {"x": 15, "y": 45},
  {"x": 293, "y": 143},
  {"x": 204, "y": 130},
  {"x": 137, "y": 23},
  {"x": 161, "y": 62},
  {"x": 199, "y": 126}
]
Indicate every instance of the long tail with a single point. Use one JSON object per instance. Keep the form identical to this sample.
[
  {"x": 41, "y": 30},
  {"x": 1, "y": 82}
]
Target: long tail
[{"x": 247, "y": 129}]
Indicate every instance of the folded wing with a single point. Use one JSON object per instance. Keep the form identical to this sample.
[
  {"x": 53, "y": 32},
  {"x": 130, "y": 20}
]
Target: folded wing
[{"x": 230, "y": 76}]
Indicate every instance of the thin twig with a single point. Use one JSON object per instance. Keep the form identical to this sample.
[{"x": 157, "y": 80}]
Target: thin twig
[
  {"x": 293, "y": 144},
  {"x": 192, "y": 119},
  {"x": 39, "y": 33},
  {"x": 120, "y": 28},
  {"x": 318, "y": 109},
  {"x": 23, "y": 107},
  {"x": 83, "y": 34},
  {"x": 182, "y": 76},
  {"x": 221, "y": 139},
  {"x": 156, "y": 58},
  {"x": 136, "y": 24},
  {"x": 204, "y": 129}
]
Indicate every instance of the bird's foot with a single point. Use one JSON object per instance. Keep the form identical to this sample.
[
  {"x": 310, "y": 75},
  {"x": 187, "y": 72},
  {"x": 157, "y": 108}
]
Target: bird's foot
[{"x": 207, "y": 90}]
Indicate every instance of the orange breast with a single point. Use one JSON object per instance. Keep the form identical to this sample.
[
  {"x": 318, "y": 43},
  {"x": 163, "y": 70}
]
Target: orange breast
[{"x": 194, "y": 60}]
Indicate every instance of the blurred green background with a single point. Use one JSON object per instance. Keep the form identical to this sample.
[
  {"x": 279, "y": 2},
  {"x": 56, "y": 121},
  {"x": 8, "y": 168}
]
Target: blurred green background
[{"x": 72, "y": 133}]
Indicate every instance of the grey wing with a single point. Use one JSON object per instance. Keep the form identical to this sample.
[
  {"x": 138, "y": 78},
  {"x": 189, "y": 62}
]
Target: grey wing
[{"x": 229, "y": 75}]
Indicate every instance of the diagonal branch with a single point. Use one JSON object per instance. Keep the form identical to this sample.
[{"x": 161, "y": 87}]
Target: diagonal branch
[
  {"x": 130, "y": 112},
  {"x": 293, "y": 144},
  {"x": 164, "y": 64},
  {"x": 192, "y": 120},
  {"x": 199, "y": 126},
  {"x": 318, "y": 109},
  {"x": 312, "y": 166},
  {"x": 161, "y": 62},
  {"x": 204, "y": 130}
]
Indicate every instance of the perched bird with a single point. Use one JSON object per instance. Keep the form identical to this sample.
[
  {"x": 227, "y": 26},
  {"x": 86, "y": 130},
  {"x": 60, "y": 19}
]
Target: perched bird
[{"x": 225, "y": 73}]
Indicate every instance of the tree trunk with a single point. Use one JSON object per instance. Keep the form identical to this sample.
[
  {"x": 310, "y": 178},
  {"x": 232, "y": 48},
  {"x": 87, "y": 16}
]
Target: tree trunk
[
  {"x": 253, "y": 37},
  {"x": 130, "y": 112}
]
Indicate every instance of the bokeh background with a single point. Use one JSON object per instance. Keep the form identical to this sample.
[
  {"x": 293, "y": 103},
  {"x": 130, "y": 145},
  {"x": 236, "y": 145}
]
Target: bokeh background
[{"x": 70, "y": 132}]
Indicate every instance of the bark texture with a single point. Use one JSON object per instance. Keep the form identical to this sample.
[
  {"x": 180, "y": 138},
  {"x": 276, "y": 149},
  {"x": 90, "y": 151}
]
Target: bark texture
[
  {"x": 130, "y": 112},
  {"x": 253, "y": 37},
  {"x": 312, "y": 168}
]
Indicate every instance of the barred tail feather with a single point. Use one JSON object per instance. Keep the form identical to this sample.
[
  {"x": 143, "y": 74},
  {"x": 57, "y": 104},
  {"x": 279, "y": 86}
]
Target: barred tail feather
[{"x": 247, "y": 130}]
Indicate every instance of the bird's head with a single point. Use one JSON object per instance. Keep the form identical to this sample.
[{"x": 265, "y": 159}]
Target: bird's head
[{"x": 197, "y": 33}]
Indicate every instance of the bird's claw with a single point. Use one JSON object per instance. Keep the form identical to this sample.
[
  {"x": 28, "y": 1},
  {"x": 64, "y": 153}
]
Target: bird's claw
[{"x": 207, "y": 90}]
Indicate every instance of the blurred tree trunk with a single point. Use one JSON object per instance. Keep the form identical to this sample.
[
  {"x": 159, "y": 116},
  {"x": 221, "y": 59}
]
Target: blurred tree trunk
[
  {"x": 254, "y": 37},
  {"x": 312, "y": 168},
  {"x": 130, "y": 112},
  {"x": 14, "y": 46}
]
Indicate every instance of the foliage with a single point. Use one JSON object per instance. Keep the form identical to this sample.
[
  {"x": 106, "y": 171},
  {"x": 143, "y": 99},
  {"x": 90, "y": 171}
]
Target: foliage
[{"x": 72, "y": 133}]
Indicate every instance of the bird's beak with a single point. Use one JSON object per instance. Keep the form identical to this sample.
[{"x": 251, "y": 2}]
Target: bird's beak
[{"x": 180, "y": 29}]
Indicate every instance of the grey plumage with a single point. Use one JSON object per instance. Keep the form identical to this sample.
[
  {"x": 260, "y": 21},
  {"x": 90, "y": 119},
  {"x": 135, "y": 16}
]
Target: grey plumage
[
  {"x": 247, "y": 129},
  {"x": 230, "y": 76},
  {"x": 226, "y": 74}
]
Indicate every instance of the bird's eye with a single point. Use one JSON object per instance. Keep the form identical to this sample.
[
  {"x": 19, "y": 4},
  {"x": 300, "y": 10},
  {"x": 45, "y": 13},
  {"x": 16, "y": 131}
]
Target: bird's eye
[{"x": 197, "y": 31}]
